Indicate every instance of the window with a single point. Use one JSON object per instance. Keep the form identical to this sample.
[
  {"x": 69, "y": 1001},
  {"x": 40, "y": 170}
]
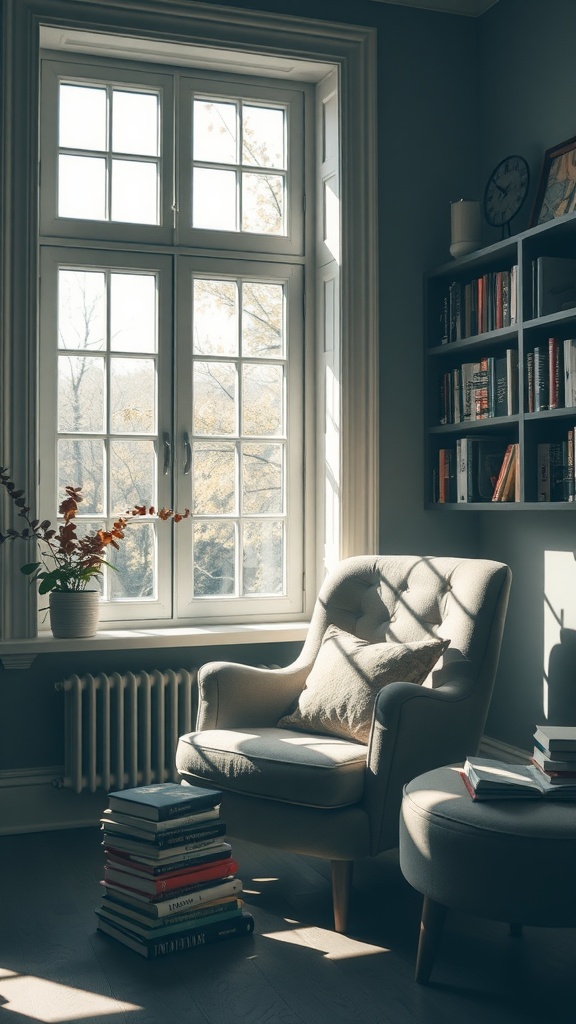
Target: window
[
  {"x": 329, "y": 390},
  {"x": 173, "y": 376}
]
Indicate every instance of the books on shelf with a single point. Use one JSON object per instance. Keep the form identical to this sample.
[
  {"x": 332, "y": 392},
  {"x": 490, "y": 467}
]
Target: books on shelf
[
  {"x": 478, "y": 461},
  {"x": 554, "y": 284},
  {"x": 489, "y": 779},
  {"x": 170, "y": 881},
  {"x": 480, "y": 390},
  {"x": 556, "y": 469},
  {"x": 475, "y": 306},
  {"x": 507, "y": 486}
]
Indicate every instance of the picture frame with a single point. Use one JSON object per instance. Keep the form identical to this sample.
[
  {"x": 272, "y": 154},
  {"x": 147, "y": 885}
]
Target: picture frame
[{"x": 556, "y": 194}]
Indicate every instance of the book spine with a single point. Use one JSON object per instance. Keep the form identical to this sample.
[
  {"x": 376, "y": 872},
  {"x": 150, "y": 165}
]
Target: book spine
[
  {"x": 543, "y": 471},
  {"x": 541, "y": 382},
  {"x": 512, "y": 380},
  {"x": 530, "y": 381},
  {"x": 243, "y": 925}
]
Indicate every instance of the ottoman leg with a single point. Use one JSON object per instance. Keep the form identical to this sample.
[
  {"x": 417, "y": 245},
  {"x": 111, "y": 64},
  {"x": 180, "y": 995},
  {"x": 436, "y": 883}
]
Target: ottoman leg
[{"x": 431, "y": 925}]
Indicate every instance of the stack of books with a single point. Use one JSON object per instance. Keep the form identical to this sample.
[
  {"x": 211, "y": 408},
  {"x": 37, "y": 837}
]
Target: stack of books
[
  {"x": 489, "y": 779},
  {"x": 169, "y": 878},
  {"x": 555, "y": 753}
]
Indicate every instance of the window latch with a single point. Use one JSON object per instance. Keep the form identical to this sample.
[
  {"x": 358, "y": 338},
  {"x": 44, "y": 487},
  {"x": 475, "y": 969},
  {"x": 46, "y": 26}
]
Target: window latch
[
  {"x": 167, "y": 453},
  {"x": 187, "y": 454}
]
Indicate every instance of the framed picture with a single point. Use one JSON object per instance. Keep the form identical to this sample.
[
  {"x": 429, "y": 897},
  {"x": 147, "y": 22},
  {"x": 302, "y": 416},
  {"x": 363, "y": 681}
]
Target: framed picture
[{"x": 557, "y": 189}]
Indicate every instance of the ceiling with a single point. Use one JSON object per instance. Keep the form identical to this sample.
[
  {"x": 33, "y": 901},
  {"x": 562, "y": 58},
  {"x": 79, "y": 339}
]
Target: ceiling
[{"x": 473, "y": 8}]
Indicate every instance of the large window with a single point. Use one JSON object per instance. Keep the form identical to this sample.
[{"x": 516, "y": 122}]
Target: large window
[
  {"x": 115, "y": 256},
  {"x": 173, "y": 374}
]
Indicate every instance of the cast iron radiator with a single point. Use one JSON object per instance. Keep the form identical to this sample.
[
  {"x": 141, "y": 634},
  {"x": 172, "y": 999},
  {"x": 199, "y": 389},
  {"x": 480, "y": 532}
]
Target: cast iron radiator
[{"x": 122, "y": 729}]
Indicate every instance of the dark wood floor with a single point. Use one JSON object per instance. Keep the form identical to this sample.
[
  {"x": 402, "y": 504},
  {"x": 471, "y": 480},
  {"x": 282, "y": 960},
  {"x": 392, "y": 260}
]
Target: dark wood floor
[{"x": 293, "y": 970}]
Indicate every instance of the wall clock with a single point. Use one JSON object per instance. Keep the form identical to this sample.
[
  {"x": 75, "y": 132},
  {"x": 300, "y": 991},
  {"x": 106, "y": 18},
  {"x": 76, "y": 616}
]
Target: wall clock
[{"x": 506, "y": 190}]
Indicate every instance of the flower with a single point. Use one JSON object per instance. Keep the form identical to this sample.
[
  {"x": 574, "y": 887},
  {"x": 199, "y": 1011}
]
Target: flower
[{"x": 67, "y": 561}]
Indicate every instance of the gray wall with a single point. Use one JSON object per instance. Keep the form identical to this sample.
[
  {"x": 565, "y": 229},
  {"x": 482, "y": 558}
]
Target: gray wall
[{"x": 527, "y": 105}]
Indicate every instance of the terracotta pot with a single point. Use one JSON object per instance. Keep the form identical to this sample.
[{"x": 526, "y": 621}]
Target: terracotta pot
[{"x": 74, "y": 613}]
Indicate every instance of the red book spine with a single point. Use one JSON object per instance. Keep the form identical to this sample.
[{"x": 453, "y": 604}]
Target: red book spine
[
  {"x": 204, "y": 874},
  {"x": 468, "y": 785}
]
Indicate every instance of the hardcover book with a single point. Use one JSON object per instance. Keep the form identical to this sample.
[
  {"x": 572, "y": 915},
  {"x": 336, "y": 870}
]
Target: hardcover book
[
  {"x": 163, "y": 800},
  {"x": 201, "y": 936},
  {"x": 555, "y": 284},
  {"x": 556, "y": 737},
  {"x": 489, "y": 779}
]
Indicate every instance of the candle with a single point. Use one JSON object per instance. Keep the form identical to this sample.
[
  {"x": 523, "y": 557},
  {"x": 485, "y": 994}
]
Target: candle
[{"x": 465, "y": 226}]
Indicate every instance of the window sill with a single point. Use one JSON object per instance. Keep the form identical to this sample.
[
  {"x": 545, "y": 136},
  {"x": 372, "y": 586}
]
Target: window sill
[{"x": 21, "y": 653}]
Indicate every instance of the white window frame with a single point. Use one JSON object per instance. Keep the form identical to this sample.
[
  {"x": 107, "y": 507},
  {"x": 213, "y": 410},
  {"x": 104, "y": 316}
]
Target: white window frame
[{"x": 349, "y": 49}]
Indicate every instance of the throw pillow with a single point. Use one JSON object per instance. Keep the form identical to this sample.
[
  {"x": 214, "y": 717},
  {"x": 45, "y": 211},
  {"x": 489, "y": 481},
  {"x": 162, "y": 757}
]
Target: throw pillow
[{"x": 339, "y": 694}]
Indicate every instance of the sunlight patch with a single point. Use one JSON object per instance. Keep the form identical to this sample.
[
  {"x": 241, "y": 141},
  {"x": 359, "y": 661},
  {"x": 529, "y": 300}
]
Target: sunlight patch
[
  {"x": 47, "y": 1001},
  {"x": 331, "y": 944}
]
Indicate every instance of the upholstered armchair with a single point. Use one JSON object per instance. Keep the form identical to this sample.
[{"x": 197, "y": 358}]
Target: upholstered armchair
[{"x": 327, "y": 781}]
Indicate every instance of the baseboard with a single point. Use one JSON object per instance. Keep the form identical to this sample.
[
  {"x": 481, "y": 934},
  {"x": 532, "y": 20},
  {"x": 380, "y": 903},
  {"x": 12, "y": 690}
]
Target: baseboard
[{"x": 33, "y": 800}]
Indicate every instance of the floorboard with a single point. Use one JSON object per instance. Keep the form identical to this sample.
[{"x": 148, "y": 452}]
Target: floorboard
[{"x": 295, "y": 969}]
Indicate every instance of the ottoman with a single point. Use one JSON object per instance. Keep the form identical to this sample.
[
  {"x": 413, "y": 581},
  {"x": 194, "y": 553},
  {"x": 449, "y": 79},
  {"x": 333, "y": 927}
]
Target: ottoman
[{"x": 508, "y": 859}]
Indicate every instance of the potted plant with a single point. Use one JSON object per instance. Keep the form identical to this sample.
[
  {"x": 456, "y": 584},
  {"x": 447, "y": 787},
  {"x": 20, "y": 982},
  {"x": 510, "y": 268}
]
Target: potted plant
[{"x": 68, "y": 563}]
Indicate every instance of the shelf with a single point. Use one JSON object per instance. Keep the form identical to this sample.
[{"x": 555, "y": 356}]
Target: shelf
[{"x": 502, "y": 284}]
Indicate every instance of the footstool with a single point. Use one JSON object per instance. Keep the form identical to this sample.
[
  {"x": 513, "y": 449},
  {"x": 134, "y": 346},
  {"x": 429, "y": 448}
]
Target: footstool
[{"x": 507, "y": 860}]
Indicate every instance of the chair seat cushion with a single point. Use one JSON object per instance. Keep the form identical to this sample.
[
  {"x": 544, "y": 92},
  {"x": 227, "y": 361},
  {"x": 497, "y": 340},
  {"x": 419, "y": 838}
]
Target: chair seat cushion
[
  {"x": 339, "y": 695},
  {"x": 315, "y": 771}
]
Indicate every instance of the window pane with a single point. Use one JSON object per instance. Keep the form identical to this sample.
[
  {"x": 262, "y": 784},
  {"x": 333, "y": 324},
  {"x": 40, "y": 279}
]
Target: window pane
[
  {"x": 214, "y": 195},
  {"x": 132, "y": 474},
  {"x": 263, "y": 137},
  {"x": 132, "y": 396},
  {"x": 262, "y": 319},
  {"x": 80, "y": 394},
  {"x": 81, "y": 464},
  {"x": 82, "y": 123},
  {"x": 81, "y": 309},
  {"x": 215, "y": 317},
  {"x": 214, "y": 478},
  {"x": 135, "y": 562},
  {"x": 262, "y": 479},
  {"x": 82, "y": 187},
  {"x": 135, "y": 123},
  {"x": 215, "y": 132},
  {"x": 263, "y": 558},
  {"x": 262, "y": 399},
  {"x": 133, "y": 313},
  {"x": 134, "y": 191},
  {"x": 214, "y": 559},
  {"x": 215, "y": 388},
  {"x": 263, "y": 203}
]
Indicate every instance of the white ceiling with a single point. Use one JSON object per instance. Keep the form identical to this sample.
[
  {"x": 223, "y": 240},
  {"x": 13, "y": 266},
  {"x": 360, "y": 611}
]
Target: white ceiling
[{"x": 473, "y": 8}]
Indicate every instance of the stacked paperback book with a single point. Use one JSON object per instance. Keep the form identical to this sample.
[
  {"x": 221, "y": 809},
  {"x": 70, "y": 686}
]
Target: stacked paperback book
[
  {"x": 551, "y": 773},
  {"x": 169, "y": 879}
]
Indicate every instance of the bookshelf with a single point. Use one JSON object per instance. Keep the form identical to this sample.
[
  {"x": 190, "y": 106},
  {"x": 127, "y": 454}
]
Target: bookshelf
[{"x": 483, "y": 323}]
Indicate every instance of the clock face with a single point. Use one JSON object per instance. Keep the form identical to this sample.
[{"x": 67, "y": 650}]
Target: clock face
[{"x": 506, "y": 190}]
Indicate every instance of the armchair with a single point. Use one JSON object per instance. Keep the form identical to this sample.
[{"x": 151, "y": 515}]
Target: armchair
[{"x": 324, "y": 794}]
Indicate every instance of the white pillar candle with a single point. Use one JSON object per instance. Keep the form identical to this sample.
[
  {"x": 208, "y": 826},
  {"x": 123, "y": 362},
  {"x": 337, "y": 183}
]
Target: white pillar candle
[{"x": 465, "y": 226}]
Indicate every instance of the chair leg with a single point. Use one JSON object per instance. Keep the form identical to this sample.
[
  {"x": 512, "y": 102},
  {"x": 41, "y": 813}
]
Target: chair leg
[
  {"x": 431, "y": 925},
  {"x": 341, "y": 884}
]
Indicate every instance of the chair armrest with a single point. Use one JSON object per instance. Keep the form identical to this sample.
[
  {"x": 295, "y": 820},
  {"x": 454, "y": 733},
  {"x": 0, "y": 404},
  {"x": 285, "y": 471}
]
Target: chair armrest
[
  {"x": 234, "y": 696},
  {"x": 415, "y": 729}
]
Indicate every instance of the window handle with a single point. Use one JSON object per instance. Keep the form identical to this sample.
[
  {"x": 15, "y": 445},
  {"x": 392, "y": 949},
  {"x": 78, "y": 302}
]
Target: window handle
[
  {"x": 167, "y": 453},
  {"x": 187, "y": 454}
]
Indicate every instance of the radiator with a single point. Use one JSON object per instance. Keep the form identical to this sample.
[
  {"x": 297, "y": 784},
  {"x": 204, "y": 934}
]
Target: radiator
[{"x": 122, "y": 729}]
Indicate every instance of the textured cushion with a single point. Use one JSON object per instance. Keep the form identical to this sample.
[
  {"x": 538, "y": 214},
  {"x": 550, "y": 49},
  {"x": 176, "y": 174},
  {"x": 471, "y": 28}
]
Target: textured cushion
[
  {"x": 312, "y": 771},
  {"x": 338, "y": 698}
]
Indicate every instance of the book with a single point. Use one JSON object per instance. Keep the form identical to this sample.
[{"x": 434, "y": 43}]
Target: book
[
  {"x": 203, "y": 892},
  {"x": 554, "y": 765},
  {"x": 156, "y": 851},
  {"x": 512, "y": 379},
  {"x": 555, "y": 284},
  {"x": 569, "y": 372},
  {"x": 189, "y": 916},
  {"x": 555, "y": 374},
  {"x": 170, "y": 866},
  {"x": 479, "y": 466},
  {"x": 207, "y": 872},
  {"x": 163, "y": 800},
  {"x": 199, "y": 936},
  {"x": 158, "y": 929},
  {"x": 147, "y": 825},
  {"x": 543, "y": 470},
  {"x": 491, "y": 779},
  {"x": 502, "y": 474},
  {"x": 168, "y": 838},
  {"x": 556, "y": 737},
  {"x": 541, "y": 378},
  {"x": 530, "y": 382}
]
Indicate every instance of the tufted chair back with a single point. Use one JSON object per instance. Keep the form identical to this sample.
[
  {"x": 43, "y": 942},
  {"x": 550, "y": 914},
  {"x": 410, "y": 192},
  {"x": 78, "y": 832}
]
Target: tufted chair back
[{"x": 340, "y": 799}]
